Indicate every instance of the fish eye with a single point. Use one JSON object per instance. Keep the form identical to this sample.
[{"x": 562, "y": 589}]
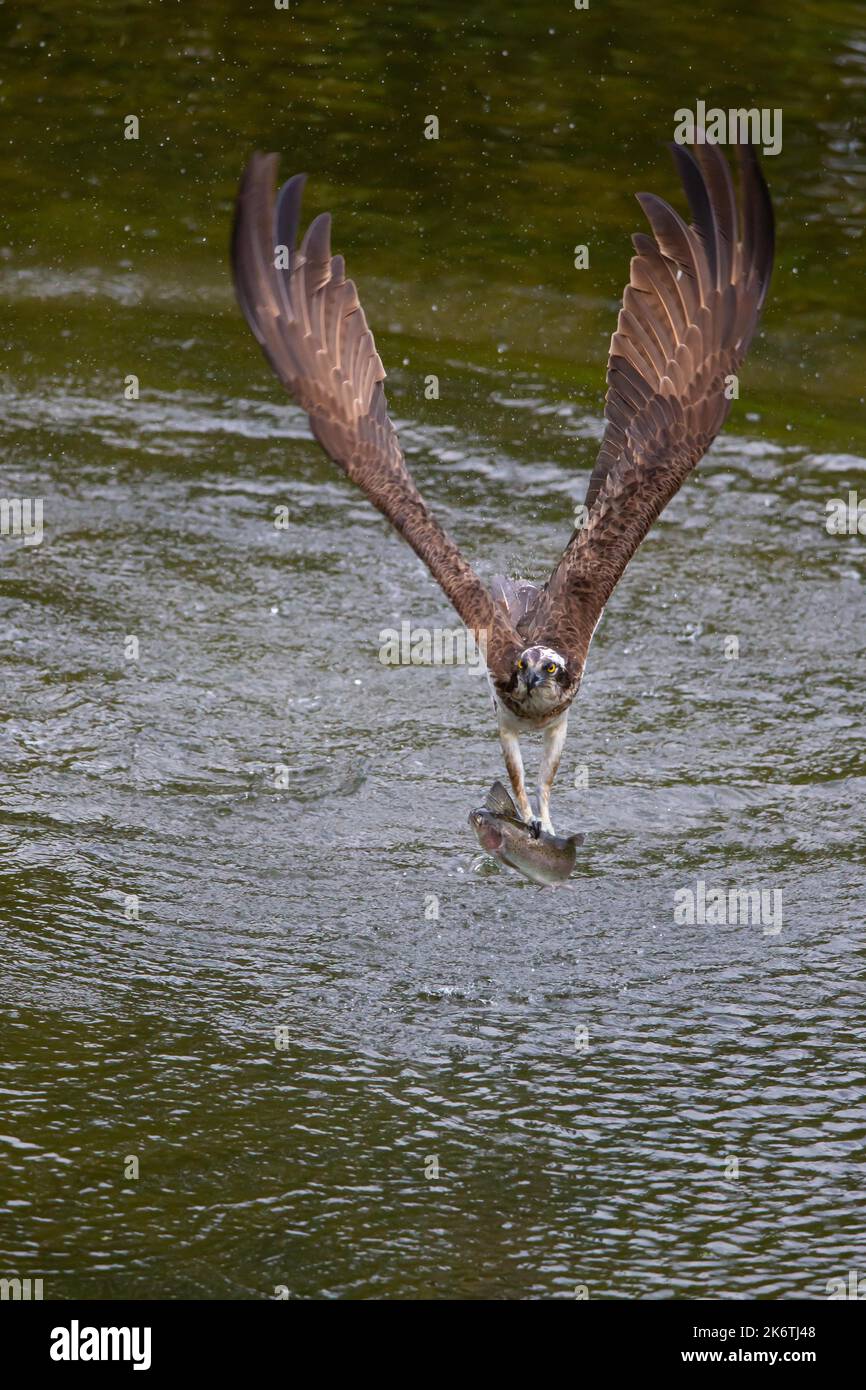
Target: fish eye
[{"x": 550, "y": 668}]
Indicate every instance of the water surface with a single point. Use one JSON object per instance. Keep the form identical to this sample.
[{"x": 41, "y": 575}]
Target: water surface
[{"x": 565, "y": 1158}]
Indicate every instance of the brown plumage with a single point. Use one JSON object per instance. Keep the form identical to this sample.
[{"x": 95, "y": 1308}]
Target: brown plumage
[
  {"x": 689, "y": 313},
  {"x": 310, "y": 324}
]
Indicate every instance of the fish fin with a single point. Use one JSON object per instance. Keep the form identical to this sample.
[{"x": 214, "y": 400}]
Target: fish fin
[
  {"x": 499, "y": 802},
  {"x": 577, "y": 839}
]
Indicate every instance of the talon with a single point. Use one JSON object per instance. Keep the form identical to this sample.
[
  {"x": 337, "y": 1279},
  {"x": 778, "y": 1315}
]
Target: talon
[{"x": 535, "y": 829}]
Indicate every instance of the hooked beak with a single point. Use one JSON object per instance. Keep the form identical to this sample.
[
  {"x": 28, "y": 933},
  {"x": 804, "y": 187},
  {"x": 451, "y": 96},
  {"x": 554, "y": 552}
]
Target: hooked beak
[{"x": 532, "y": 680}]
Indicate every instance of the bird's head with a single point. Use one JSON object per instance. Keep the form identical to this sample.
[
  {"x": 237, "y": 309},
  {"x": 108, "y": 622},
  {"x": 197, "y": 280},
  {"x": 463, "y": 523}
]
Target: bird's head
[{"x": 541, "y": 679}]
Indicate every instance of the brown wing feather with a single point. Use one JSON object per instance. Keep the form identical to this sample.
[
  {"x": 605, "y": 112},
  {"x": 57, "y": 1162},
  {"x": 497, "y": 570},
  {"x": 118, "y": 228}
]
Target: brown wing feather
[
  {"x": 309, "y": 322},
  {"x": 689, "y": 313}
]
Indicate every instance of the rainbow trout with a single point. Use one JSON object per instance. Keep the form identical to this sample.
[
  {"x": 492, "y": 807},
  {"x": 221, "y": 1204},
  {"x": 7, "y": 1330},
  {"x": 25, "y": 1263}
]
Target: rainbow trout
[{"x": 501, "y": 832}]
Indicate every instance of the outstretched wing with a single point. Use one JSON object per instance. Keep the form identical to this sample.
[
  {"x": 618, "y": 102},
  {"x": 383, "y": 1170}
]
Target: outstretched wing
[
  {"x": 689, "y": 312},
  {"x": 309, "y": 322}
]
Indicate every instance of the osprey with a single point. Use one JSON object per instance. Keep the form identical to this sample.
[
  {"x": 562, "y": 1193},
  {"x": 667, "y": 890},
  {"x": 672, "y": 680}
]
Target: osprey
[{"x": 688, "y": 315}]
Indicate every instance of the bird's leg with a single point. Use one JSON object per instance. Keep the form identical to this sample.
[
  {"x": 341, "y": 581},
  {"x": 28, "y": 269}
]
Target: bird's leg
[
  {"x": 554, "y": 740},
  {"x": 514, "y": 765}
]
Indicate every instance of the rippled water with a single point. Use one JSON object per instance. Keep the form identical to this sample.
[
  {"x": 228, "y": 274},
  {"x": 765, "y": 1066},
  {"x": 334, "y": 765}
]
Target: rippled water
[{"x": 565, "y": 1157}]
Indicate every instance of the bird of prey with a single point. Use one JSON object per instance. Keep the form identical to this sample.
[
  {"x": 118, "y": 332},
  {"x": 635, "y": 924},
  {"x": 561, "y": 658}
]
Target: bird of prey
[{"x": 688, "y": 315}]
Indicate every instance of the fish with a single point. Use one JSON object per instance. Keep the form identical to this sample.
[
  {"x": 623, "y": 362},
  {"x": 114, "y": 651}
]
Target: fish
[{"x": 502, "y": 832}]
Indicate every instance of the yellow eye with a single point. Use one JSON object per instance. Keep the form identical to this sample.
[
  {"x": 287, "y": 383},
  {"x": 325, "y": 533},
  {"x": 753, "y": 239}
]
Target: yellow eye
[
  {"x": 520, "y": 665},
  {"x": 551, "y": 668}
]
